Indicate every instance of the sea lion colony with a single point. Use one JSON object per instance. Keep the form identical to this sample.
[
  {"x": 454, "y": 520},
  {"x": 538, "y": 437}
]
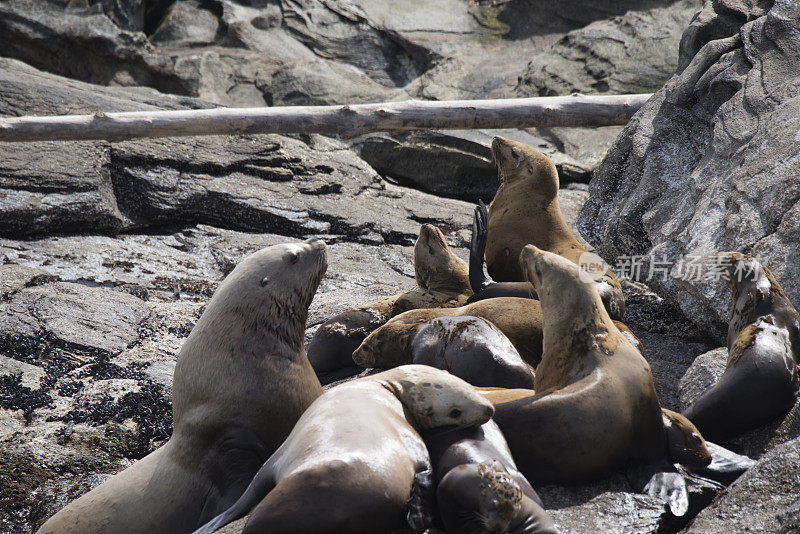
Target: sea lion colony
[{"x": 570, "y": 399}]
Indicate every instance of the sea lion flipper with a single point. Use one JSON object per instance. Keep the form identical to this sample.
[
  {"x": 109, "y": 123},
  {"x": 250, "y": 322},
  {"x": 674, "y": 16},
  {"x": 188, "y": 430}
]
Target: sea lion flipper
[
  {"x": 262, "y": 484},
  {"x": 726, "y": 465},
  {"x": 420, "y": 505},
  {"x": 478, "y": 279},
  {"x": 662, "y": 481}
]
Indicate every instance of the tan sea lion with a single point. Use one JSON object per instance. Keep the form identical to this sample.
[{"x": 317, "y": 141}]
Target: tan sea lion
[
  {"x": 595, "y": 408},
  {"x": 355, "y": 458},
  {"x": 442, "y": 280},
  {"x": 519, "y": 319},
  {"x": 760, "y": 381},
  {"x": 241, "y": 382},
  {"x": 525, "y": 211},
  {"x": 470, "y": 348},
  {"x": 480, "y": 488}
]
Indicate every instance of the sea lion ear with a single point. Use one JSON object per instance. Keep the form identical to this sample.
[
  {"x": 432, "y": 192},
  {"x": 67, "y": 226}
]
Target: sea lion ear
[{"x": 518, "y": 157}]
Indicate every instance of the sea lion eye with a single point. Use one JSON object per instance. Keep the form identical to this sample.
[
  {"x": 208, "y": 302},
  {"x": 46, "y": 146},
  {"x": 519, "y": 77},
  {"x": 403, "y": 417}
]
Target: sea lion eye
[
  {"x": 292, "y": 256},
  {"x": 264, "y": 281},
  {"x": 455, "y": 413}
]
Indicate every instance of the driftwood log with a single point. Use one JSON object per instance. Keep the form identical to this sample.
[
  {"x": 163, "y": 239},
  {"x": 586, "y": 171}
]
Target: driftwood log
[{"x": 345, "y": 121}]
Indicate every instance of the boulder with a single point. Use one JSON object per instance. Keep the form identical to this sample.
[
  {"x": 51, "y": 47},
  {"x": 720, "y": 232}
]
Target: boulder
[{"x": 710, "y": 162}]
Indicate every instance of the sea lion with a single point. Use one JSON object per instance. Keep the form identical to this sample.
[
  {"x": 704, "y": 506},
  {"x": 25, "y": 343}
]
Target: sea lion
[
  {"x": 479, "y": 486},
  {"x": 442, "y": 280},
  {"x": 520, "y": 320},
  {"x": 760, "y": 381},
  {"x": 685, "y": 444},
  {"x": 354, "y": 456},
  {"x": 595, "y": 407},
  {"x": 525, "y": 211},
  {"x": 470, "y": 348},
  {"x": 241, "y": 382}
]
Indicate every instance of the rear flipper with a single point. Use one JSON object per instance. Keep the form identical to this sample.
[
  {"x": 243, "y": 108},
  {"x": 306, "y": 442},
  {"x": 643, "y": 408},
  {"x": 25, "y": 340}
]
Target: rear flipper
[
  {"x": 662, "y": 481},
  {"x": 420, "y": 505},
  {"x": 478, "y": 279},
  {"x": 726, "y": 466},
  {"x": 261, "y": 485}
]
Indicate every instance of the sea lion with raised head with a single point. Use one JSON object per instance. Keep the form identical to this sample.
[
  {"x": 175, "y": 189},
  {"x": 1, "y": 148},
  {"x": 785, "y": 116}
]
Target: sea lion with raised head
[
  {"x": 480, "y": 488},
  {"x": 470, "y": 348},
  {"x": 355, "y": 461},
  {"x": 595, "y": 408},
  {"x": 241, "y": 382},
  {"x": 525, "y": 211},
  {"x": 442, "y": 280},
  {"x": 760, "y": 381}
]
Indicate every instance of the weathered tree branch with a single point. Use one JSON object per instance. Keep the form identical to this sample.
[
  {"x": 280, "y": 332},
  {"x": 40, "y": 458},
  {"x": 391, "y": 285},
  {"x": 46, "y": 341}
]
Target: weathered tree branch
[{"x": 346, "y": 121}]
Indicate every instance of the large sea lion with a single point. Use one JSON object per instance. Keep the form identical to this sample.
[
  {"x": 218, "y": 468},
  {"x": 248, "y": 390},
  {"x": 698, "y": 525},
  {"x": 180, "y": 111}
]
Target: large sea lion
[
  {"x": 241, "y": 382},
  {"x": 525, "y": 211},
  {"x": 356, "y": 458},
  {"x": 760, "y": 381},
  {"x": 480, "y": 488},
  {"x": 519, "y": 319},
  {"x": 442, "y": 280},
  {"x": 470, "y": 348},
  {"x": 595, "y": 409}
]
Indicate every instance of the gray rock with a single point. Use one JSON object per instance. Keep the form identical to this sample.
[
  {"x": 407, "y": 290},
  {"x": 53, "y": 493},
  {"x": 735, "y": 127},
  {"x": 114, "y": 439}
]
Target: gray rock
[
  {"x": 764, "y": 499},
  {"x": 14, "y": 277},
  {"x": 709, "y": 163},
  {"x": 186, "y": 24},
  {"x": 453, "y": 163},
  {"x": 633, "y": 53},
  {"x": 705, "y": 371},
  {"x": 70, "y": 316}
]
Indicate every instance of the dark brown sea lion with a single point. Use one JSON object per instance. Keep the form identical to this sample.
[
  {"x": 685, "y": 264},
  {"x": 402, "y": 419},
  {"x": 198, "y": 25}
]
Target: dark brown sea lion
[
  {"x": 241, "y": 382},
  {"x": 479, "y": 486},
  {"x": 595, "y": 408},
  {"x": 760, "y": 381},
  {"x": 525, "y": 211},
  {"x": 355, "y": 458},
  {"x": 442, "y": 280},
  {"x": 468, "y": 347}
]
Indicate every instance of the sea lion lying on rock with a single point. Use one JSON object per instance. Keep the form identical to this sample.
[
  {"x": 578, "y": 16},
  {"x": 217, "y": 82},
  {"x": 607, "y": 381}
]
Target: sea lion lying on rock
[
  {"x": 442, "y": 280},
  {"x": 355, "y": 458},
  {"x": 241, "y": 382},
  {"x": 760, "y": 381},
  {"x": 525, "y": 211},
  {"x": 468, "y": 347},
  {"x": 479, "y": 486},
  {"x": 595, "y": 408}
]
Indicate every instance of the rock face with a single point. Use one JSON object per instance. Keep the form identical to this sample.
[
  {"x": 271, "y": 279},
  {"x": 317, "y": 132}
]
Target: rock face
[
  {"x": 710, "y": 162},
  {"x": 764, "y": 499}
]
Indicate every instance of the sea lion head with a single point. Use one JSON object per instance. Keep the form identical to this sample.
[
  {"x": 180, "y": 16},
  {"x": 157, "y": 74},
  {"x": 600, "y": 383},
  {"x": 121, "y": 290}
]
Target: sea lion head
[
  {"x": 686, "y": 445},
  {"x": 388, "y": 346},
  {"x": 742, "y": 273},
  {"x": 436, "y": 399},
  {"x": 436, "y": 268},
  {"x": 272, "y": 288},
  {"x": 517, "y": 163},
  {"x": 492, "y": 494},
  {"x": 555, "y": 277}
]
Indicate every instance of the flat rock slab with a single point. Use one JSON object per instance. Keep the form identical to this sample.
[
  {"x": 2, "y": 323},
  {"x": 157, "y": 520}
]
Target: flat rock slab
[
  {"x": 14, "y": 277},
  {"x": 71, "y": 316}
]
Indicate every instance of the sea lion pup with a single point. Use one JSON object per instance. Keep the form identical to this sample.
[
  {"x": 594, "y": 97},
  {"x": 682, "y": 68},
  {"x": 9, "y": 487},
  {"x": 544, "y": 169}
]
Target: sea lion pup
[
  {"x": 525, "y": 211},
  {"x": 355, "y": 457},
  {"x": 760, "y": 381},
  {"x": 470, "y": 348},
  {"x": 595, "y": 409},
  {"x": 241, "y": 382},
  {"x": 442, "y": 280},
  {"x": 479, "y": 486}
]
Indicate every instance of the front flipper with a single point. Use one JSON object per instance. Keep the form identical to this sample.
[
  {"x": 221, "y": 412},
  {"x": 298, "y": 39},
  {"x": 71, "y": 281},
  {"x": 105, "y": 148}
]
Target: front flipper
[
  {"x": 478, "y": 279},
  {"x": 726, "y": 466},
  {"x": 420, "y": 505},
  {"x": 662, "y": 481}
]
